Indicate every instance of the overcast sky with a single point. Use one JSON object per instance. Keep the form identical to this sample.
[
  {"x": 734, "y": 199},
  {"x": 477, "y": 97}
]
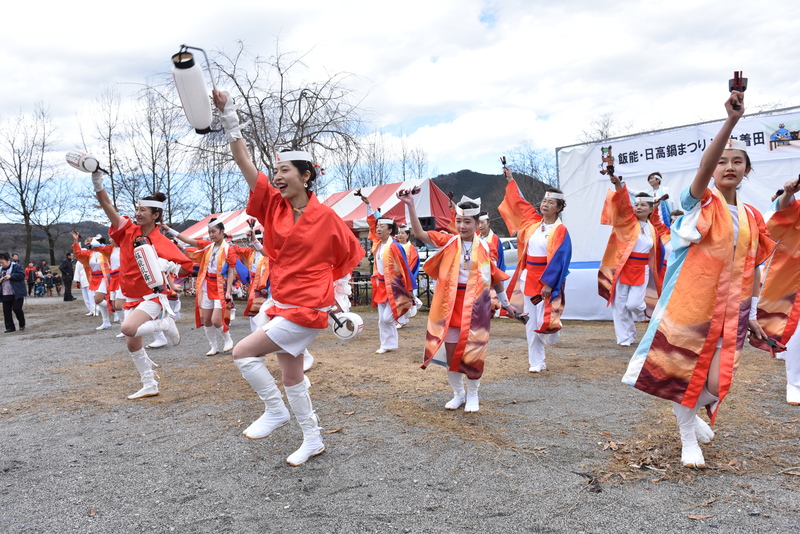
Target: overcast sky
[{"x": 466, "y": 80}]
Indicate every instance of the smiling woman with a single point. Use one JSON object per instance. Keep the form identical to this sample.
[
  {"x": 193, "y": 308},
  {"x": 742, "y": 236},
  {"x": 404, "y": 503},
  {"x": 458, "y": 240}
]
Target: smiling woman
[{"x": 309, "y": 248}]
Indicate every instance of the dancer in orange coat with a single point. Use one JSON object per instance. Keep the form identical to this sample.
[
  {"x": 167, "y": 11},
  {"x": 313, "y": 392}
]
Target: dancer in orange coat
[
  {"x": 309, "y": 248},
  {"x": 461, "y": 308},
  {"x": 213, "y": 288}
]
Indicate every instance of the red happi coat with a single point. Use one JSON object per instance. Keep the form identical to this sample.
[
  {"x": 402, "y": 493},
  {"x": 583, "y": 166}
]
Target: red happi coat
[{"x": 305, "y": 257}]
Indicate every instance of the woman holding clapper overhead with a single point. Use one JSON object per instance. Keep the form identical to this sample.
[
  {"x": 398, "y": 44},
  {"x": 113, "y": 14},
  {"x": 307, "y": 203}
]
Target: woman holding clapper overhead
[
  {"x": 461, "y": 309},
  {"x": 309, "y": 247},
  {"x": 692, "y": 346},
  {"x": 142, "y": 304}
]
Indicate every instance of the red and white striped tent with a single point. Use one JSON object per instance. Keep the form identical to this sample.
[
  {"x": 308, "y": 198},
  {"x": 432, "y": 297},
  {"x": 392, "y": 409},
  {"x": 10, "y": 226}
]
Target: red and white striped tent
[{"x": 429, "y": 202}]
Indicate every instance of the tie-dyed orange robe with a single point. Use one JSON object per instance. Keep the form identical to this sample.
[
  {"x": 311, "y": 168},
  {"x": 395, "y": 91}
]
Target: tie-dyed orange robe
[
  {"x": 521, "y": 217},
  {"x": 779, "y": 303},
  {"x": 618, "y": 213},
  {"x": 707, "y": 295},
  {"x": 201, "y": 256},
  {"x": 259, "y": 278},
  {"x": 396, "y": 278},
  {"x": 470, "y": 353}
]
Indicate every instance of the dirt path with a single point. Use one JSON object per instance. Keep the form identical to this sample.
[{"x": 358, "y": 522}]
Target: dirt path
[{"x": 569, "y": 450}]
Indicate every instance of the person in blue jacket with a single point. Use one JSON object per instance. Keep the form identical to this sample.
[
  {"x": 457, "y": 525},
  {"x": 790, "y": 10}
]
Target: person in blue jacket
[{"x": 13, "y": 291}]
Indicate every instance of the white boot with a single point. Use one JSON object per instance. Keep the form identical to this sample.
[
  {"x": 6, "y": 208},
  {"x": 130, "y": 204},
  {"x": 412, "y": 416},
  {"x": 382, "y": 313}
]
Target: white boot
[
  {"x": 702, "y": 429},
  {"x": 159, "y": 340},
  {"x": 145, "y": 367},
  {"x": 275, "y": 413},
  {"x": 312, "y": 445},
  {"x": 211, "y": 335},
  {"x": 691, "y": 454},
  {"x": 456, "y": 381},
  {"x": 308, "y": 360},
  {"x": 166, "y": 325},
  {"x": 226, "y": 337},
  {"x": 792, "y": 394},
  {"x": 103, "y": 308},
  {"x": 472, "y": 404}
]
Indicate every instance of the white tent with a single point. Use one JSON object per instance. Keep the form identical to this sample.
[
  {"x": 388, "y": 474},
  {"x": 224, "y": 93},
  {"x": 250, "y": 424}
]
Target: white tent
[{"x": 773, "y": 147}]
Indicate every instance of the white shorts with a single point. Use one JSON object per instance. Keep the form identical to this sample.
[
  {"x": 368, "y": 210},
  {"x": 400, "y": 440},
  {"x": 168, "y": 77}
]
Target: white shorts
[
  {"x": 290, "y": 337},
  {"x": 102, "y": 287},
  {"x": 452, "y": 335},
  {"x": 208, "y": 304},
  {"x": 151, "y": 307}
]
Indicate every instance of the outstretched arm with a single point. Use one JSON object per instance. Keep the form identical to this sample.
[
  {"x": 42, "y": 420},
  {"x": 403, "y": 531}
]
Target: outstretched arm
[
  {"x": 711, "y": 156},
  {"x": 416, "y": 226},
  {"x": 789, "y": 189},
  {"x": 230, "y": 120},
  {"x": 174, "y": 233}
]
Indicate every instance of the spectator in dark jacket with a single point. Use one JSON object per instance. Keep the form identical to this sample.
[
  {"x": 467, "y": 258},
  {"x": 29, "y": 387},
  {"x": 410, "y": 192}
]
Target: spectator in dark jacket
[
  {"x": 30, "y": 276},
  {"x": 12, "y": 292},
  {"x": 67, "y": 274}
]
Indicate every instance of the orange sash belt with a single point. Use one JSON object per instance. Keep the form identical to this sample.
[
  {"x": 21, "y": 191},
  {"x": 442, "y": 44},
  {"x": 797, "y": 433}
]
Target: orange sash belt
[{"x": 534, "y": 268}]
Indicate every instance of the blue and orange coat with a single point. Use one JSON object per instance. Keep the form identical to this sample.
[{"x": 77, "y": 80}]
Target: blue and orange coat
[{"x": 521, "y": 217}]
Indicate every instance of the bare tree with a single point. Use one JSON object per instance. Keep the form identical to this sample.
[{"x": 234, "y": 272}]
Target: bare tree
[
  {"x": 419, "y": 163},
  {"x": 220, "y": 185},
  {"x": 107, "y": 123},
  {"x": 56, "y": 207},
  {"x": 376, "y": 167},
  {"x": 526, "y": 159},
  {"x": 318, "y": 116},
  {"x": 605, "y": 127},
  {"x": 346, "y": 161},
  {"x": 25, "y": 141}
]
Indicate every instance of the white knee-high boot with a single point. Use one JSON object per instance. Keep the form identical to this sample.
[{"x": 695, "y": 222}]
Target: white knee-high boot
[
  {"x": 145, "y": 367},
  {"x": 691, "y": 454},
  {"x": 456, "y": 381},
  {"x": 226, "y": 337},
  {"x": 260, "y": 379},
  {"x": 211, "y": 335},
  {"x": 166, "y": 325},
  {"x": 308, "y": 360},
  {"x": 472, "y": 404},
  {"x": 303, "y": 411},
  {"x": 103, "y": 307}
]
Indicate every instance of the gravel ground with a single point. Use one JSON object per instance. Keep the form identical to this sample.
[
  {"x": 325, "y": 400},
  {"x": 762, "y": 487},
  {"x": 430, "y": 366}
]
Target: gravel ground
[{"x": 568, "y": 450}]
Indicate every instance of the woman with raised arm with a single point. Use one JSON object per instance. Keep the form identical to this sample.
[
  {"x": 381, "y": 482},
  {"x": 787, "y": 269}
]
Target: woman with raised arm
[
  {"x": 632, "y": 260},
  {"x": 213, "y": 288},
  {"x": 95, "y": 259},
  {"x": 779, "y": 303},
  {"x": 461, "y": 308},
  {"x": 692, "y": 346},
  {"x": 542, "y": 265},
  {"x": 142, "y": 304},
  {"x": 309, "y": 247},
  {"x": 391, "y": 280}
]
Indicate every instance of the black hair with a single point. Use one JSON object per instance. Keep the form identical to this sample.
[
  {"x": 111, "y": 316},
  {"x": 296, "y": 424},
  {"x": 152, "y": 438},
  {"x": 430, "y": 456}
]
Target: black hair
[
  {"x": 101, "y": 240},
  {"x": 676, "y": 213},
  {"x": 158, "y": 197},
  {"x": 5, "y": 256},
  {"x": 303, "y": 166},
  {"x": 469, "y": 206},
  {"x": 560, "y": 202}
]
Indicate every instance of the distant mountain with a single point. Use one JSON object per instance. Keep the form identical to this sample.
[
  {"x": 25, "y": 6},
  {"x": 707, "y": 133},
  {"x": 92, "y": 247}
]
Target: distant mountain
[{"x": 490, "y": 188}]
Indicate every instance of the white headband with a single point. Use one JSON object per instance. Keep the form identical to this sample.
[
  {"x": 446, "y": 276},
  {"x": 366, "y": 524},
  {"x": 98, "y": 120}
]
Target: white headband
[
  {"x": 295, "y": 155},
  {"x": 735, "y": 144},
  {"x": 404, "y": 228},
  {"x": 151, "y": 204},
  {"x": 469, "y": 212},
  {"x": 385, "y": 220},
  {"x": 646, "y": 199},
  {"x": 484, "y": 217},
  {"x": 553, "y": 194}
]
